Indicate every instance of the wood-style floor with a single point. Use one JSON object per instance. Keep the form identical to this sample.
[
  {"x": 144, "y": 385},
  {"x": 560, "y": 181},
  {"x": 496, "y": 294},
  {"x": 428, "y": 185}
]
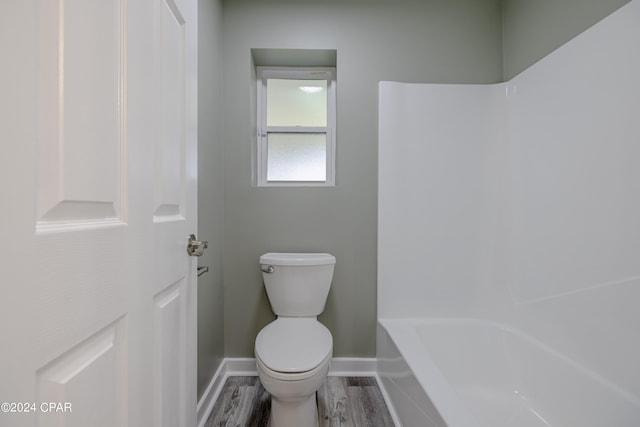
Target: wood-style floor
[{"x": 342, "y": 402}]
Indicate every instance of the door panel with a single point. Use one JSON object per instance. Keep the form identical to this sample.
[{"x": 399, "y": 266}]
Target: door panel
[
  {"x": 81, "y": 112},
  {"x": 170, "y": 152},
  {"x": 168, "y": 330},
  {"x": 98, "y": 360}
]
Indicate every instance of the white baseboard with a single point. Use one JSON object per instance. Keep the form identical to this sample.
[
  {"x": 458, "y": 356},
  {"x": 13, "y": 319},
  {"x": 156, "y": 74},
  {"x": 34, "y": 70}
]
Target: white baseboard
[
  {"x": 353, "y": 367},
  {"x": 241, "y": 366},
  {"x": 340, "y": 366},
  {"x": 389, "y": 402},
  {"x": 205, "y": 404}
]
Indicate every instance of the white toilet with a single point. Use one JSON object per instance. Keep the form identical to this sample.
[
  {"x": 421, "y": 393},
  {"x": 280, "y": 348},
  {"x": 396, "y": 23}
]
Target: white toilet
[{"x": 293, "y": 352}]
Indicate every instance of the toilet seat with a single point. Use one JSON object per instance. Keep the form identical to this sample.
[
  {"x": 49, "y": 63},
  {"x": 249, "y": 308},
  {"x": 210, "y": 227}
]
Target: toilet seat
[
  {"x": 293, "y": 345},
  {"x": 295, "y": 376}
]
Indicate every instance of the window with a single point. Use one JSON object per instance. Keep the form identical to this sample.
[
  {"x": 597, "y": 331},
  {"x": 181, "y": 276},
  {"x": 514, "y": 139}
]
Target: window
[{"x": 296, "y": 126}]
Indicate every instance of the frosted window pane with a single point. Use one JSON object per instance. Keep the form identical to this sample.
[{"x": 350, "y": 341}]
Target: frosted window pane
[
  {"x": 296, "y": 157},
  {"x": 292, "y": 102}
]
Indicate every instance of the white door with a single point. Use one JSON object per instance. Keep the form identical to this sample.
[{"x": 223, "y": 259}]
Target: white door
[{"x": 98, "y": 187}]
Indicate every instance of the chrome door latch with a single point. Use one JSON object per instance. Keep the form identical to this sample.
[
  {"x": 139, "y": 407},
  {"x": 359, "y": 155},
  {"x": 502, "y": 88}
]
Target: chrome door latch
[{"x": 196, "y": 247}]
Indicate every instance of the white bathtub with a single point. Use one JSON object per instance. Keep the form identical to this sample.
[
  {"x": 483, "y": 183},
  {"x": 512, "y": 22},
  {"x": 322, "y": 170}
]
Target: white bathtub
[{"x": 476, "y": 373}]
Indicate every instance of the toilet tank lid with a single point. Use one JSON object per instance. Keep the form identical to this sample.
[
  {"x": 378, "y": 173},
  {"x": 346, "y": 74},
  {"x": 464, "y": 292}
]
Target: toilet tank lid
[{"x": 297, "y": 259}]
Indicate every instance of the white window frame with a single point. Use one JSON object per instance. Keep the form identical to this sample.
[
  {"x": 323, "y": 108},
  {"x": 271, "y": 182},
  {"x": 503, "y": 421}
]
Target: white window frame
[{"x": 298, "y": 73}]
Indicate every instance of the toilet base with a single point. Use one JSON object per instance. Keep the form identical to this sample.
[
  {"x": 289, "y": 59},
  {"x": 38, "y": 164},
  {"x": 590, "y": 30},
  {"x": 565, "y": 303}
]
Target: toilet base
[{"x": 294, "y": 413}]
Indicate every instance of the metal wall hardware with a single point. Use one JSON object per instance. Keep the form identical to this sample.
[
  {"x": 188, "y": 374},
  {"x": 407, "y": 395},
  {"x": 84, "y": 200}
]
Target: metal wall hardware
[
  {"x": 196, "y": 247},
  {"x": 202, "y": 270}
]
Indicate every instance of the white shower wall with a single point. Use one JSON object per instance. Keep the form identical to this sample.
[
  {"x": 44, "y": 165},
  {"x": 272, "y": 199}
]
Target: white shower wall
[
  {"x": 574, "y": 248},
  {"x": 520, "y": 202},
  {"x": 440, "y": 165}
]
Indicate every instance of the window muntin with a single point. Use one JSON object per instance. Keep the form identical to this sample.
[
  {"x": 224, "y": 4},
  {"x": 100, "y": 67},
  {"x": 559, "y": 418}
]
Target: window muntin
[{"x": 296, "y": 126}]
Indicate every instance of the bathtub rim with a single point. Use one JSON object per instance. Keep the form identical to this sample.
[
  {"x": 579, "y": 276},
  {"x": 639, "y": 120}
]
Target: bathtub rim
[
  {"x": 444, "y": 398},
  {"x": 403, "y": 332}
]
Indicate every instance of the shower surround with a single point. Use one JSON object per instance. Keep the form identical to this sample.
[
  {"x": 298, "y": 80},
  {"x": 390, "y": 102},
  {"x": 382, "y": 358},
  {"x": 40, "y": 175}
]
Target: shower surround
[{"x": 519, "y": 204}]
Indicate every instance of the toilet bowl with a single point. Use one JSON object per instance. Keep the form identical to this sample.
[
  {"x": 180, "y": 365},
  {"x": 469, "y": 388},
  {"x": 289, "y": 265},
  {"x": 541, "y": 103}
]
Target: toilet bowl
[
  {"x": 294, "y": 351},
  {"x": 292, "y": 357}
]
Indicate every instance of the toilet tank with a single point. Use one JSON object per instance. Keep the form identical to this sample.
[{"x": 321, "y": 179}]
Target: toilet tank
[{"x": 297, "y": 284}]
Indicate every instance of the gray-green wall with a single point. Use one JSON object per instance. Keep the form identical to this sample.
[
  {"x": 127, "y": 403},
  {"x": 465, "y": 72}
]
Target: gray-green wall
[
  {"x": 456, "y": 41},
  {"x": 210, "y": 191},
  {"x": 534, "y": 28},
  {"x": 405, "y": 40}
]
